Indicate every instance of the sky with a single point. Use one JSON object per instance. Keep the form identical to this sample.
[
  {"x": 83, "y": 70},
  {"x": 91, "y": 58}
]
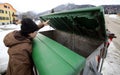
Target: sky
[{"x": 43, "y": 5}]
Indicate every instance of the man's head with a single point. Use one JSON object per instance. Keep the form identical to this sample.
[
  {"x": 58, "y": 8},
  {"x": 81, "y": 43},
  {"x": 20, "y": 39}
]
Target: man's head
[{"x": 28, "y": 26}]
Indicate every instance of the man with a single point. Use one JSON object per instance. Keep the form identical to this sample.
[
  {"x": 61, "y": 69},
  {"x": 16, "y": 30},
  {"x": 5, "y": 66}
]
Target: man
[{"x": 20, "y": 47}]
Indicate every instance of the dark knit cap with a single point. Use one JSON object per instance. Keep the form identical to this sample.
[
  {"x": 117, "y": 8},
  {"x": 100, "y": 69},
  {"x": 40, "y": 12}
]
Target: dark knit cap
[{"x": 28, "y": 26}]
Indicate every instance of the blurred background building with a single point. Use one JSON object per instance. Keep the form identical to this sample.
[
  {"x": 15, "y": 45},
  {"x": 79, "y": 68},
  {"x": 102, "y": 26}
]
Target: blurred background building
[{"x": 7, "y": 14}]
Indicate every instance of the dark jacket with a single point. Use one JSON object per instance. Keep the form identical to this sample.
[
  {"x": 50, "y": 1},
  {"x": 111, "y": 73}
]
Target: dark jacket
[{"x": 20, "y": 48}]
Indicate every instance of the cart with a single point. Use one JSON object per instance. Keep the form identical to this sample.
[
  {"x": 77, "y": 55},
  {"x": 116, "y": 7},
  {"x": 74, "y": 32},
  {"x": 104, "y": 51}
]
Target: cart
[{"x": 76, "y": 46}]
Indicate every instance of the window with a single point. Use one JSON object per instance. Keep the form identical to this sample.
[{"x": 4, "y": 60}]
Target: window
[
  {"x": 2, "y": 11},
  {"x": 5, "y": 6},
  {"x": 0, "y": 18},
  {"x": 7, "y": 18},
  {"x": 3, "y": 23},
  {"x": 3, "y": 18},
  {"x": 6, "y": 12}
]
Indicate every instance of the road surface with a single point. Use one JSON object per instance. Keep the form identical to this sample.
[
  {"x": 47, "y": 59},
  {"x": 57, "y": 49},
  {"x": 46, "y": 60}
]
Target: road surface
[{"x": 111, "y": 65}]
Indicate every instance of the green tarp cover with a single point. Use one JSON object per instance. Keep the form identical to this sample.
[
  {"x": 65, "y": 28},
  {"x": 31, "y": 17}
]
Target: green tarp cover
[
  {"x": 86, "y": 22},
  {"x": 52, "y": 58}
]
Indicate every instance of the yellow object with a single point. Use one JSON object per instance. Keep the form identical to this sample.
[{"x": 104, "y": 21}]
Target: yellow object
[{"x": 7, "y": 14}]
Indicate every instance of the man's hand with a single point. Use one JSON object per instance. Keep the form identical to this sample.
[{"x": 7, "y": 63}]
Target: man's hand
[
  {"x": 45, "y": 22},
  {"x": 42, "y": 24}
]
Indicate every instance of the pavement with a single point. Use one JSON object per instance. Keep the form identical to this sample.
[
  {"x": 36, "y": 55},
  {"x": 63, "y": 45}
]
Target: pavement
[{"x": 111, "y": 64}]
